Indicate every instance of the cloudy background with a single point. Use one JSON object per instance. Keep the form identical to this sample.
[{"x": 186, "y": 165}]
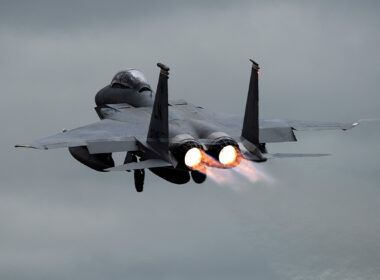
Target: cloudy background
[{"x": 320, "y": 220}]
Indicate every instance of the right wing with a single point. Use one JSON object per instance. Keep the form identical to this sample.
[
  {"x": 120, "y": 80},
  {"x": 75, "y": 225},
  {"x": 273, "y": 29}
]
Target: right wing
[
  {"x": 306, "y": 125},
  {"x": 274, "y": 130},
  {"x": 281, "y": 130}
]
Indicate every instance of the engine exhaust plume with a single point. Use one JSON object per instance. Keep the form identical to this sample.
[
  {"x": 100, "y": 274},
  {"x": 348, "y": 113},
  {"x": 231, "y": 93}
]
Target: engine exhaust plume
[
  {"x": 232, "y": 177},
  {"x": 252, "y": 172}
]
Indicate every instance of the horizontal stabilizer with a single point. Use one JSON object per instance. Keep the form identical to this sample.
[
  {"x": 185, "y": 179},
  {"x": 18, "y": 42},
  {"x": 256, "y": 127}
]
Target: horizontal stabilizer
[
  {"x": 150, "y": 163},
  {"x": 257, "y": 157}
]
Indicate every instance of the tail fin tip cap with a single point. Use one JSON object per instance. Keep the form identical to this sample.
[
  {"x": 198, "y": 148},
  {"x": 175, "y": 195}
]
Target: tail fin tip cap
[
  {"x": 254, "y": 64},
  {"x": 163, "y": 67}
]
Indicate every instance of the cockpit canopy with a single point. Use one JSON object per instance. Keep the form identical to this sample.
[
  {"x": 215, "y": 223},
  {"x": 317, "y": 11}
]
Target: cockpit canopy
[{"x": 131, "y": 78}]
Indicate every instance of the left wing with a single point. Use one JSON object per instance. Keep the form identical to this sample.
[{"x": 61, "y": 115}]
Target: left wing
[{"x": 100, "y": 137}]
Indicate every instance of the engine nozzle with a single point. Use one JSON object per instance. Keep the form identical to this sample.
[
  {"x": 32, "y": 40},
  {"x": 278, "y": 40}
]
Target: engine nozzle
[
  {"x": 225, "y": 150},
  {"x": 228, "y": 155},
  {"x": 193, "y": 157},
  {"x": 187, "y": 151}
]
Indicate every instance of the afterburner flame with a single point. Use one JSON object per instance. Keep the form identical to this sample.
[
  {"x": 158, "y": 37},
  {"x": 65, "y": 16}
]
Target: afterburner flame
[
  {"x": 228, "y": 155},
  {"x": 193, "y": 157},
  {"x": 231, "y": 174}
]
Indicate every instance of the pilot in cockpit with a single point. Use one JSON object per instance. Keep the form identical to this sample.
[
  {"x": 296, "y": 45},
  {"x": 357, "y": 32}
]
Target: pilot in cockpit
[
  {"x": 132, "y": 79},
  {"x": 128, "y": 86}
]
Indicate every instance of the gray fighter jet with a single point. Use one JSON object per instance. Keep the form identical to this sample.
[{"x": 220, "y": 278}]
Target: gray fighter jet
[{"x": 174, "y": 139}]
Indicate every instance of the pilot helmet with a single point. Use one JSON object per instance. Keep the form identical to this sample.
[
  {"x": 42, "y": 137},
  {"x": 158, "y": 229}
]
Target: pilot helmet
[{"x": 131, "y": 78}]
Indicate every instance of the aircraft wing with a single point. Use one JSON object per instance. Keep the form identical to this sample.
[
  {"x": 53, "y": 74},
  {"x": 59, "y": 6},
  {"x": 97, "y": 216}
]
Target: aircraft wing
[
  {"x": 306, "y": 125},
  {"x": 102, "y": 136},
  {"x": 281, "y": 130},
  {"x": 119, "y": 133},
  {"x": 278, "y": 130}
]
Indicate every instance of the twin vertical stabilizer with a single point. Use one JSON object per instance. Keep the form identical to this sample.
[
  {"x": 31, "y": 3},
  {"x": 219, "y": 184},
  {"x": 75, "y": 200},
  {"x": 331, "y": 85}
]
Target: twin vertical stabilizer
[
  {"x": 251, "y": 117},
  {"x": 158, "y": 133}
]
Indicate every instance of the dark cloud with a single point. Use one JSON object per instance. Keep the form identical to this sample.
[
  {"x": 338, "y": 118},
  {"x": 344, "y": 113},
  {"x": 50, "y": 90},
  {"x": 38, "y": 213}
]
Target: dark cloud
[
  {"x": 319, "y": 60},
  {"x": 42, "y": 15},
  {"x": 68, "y": 15}
]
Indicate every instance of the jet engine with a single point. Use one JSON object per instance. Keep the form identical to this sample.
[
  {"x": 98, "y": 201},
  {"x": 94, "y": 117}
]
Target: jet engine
[
  {"x": 224, "y": 149},
  {"x": 187, "y": 151}
]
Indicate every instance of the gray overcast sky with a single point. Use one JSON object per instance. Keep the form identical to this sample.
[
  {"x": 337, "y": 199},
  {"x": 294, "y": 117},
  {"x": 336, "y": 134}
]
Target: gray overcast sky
[{"x": 320, "y": 60}]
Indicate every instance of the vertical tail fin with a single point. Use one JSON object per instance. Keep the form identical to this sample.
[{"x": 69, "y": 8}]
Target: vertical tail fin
[
  {"x": 158, "y": 133},
  {"x": 251, "y": 117}
]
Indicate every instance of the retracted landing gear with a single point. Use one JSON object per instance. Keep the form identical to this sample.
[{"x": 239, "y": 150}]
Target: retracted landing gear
[{"x": 139, "y": 174}]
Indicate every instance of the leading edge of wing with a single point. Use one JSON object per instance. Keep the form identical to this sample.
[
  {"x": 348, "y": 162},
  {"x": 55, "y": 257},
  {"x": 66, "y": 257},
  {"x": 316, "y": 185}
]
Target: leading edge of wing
[
  {"x": 309, "y": 125},
  {"x": 293, "y": 155},
  {"x": 103, "y": 136},
  {"x": 94, "y": 147}
]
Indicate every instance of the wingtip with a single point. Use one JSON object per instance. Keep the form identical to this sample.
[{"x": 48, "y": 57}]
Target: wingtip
[
  {"x": 350, "y": 125},
  {"x": 355, "y": 124}
]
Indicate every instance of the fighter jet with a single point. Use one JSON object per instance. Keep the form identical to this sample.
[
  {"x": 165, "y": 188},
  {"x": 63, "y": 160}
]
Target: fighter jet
[{"x": 174, "y": 139}]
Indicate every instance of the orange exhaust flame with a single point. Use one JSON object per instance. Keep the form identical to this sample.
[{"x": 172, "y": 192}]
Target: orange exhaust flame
[
  {"x": 209, "y": 161},
  {"x": 252, "y": 172},
  {"x": 231, "y": 174}
]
